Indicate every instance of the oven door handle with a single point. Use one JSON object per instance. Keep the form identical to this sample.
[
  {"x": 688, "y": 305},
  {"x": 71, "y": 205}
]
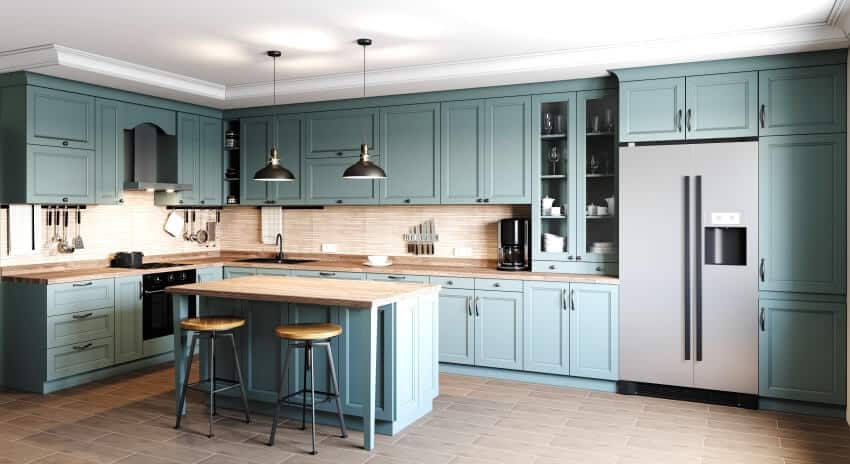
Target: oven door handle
[{"x": 153, "y": 292}]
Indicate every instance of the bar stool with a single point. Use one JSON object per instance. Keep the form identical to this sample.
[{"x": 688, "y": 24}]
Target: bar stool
[
  {"x": 212, "y": 327},
  {"x": 308, "y": 336}
]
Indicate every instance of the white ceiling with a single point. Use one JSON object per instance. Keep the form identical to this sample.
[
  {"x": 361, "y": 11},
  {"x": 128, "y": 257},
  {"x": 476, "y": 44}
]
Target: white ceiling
[{"x": 212, "y": 51}]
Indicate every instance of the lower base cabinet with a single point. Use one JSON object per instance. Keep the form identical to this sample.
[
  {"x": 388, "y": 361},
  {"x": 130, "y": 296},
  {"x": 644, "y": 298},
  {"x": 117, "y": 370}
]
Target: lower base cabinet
[
  {"x": 802, "y": 350},
  {"x": 498, "y": 329},
  {"x": 128, "y": 319},
  {"x": 457, "y": 326}
]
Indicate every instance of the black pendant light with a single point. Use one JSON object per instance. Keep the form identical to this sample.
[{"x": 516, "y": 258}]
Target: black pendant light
[
  {"x": 273, "y": 171},
  {"x": 363, "y": 168}
]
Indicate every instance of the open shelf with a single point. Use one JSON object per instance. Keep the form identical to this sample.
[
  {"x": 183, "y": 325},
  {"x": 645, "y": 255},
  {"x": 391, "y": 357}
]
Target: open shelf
[
  {"x": 607, "y": 216},
  {"x": 553, "y": 176},
  {"x": 553, "y": 136},
  {"x": 599, "y": 134},
  {"x": 553, "y": 217},
  {"x": 591, "y": 176}
]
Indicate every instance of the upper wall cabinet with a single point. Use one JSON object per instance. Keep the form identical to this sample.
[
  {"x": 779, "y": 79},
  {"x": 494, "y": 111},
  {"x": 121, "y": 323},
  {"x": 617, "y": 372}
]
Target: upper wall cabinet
[
  {"x": 60, "y": 175},
  {"x": 340, "y": 133},
  {"x": 652, "y": 110},
  {"x": 199, "y": 156},
  {"x": 210, "y": 170},
  {"x": 257, "y": 137},
  {"x": 288, "y": 135},
  {"x": 60, "y": 119},
  {"x": 135, "y": 114},
  {"x": 410, "y": 154},
  {"x": 462, "y": 151},
  {"x": 189, "y": 157},
  {"x": 324, "y": 184},
  {"x": 109, "y": 154},
  {"x": 802, "y": 100},
  {"x": 721, "y": 106}
]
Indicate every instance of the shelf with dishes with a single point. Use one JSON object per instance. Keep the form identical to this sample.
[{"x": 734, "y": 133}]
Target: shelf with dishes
[{"x": 232, "y": 160}]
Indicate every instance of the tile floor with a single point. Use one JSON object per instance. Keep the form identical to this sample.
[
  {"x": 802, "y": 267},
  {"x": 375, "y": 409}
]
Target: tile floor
[{"x": 476, "y": 421}]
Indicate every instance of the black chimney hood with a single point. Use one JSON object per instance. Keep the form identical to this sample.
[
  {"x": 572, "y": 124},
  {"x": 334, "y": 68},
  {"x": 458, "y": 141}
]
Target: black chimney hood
[{"x": 150, "y": 160}]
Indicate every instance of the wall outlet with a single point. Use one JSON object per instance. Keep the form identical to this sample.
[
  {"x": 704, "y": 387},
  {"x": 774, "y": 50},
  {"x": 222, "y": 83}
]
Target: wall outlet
[
  {"x": 329, "y": 248},
  {"x": 463, "y": 252}
]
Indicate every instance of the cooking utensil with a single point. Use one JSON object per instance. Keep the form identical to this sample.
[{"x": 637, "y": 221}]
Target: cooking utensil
[
  {"x": 56, "y": 236},
  {"x": 78, "y": 240},
  {"x": 192, "y": 236},
  {"x": 201, "y": 236},
  {"x": 64, "y": 246}
]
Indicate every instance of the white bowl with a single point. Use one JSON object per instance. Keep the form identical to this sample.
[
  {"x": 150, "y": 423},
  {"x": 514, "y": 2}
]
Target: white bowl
[{"x": 378, "y": 260}]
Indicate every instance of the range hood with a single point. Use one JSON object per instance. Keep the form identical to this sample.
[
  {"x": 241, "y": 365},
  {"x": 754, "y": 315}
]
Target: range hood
[{"x": 150, "y": 160}]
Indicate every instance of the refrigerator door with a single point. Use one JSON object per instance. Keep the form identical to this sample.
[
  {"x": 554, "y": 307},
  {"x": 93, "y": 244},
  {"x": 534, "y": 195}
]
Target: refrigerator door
[
  {"x": 656, "y": 342},
  {"x": 726, "y": 293}
]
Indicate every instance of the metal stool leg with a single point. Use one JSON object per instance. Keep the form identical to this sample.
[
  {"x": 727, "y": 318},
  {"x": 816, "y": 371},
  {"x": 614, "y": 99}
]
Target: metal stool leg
[
  {"x": 239, "y": 377},
  {"x": 280, "y": 389},
  {"x": 304, "y": 387},
  {"x": 183, "y": 391},
  {"x": 212, "y": 382},
  {"x": 336, "y": 390},
  {"x": 312, "y": 397}
]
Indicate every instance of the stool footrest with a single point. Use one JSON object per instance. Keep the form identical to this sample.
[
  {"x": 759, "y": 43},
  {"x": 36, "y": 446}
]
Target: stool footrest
[
  {"x": 195, "y": 386},
  {"x": 327, "y": 397}
]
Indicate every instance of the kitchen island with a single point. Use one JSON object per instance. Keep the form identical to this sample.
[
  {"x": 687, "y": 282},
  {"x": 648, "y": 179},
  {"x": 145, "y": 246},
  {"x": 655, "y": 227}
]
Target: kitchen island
[{"x": 386, "y": 356}]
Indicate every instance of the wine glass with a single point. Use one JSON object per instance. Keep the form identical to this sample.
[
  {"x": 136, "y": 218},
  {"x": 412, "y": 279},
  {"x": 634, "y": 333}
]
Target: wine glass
[
  {"x": 554, "y": 156},
  {"x": 547, "y": 123}
]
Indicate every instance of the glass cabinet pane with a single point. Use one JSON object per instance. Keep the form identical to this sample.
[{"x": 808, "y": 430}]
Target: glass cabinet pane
[
  {"x": 598, "y": 236},
  {"x": 554, "y": 184}
]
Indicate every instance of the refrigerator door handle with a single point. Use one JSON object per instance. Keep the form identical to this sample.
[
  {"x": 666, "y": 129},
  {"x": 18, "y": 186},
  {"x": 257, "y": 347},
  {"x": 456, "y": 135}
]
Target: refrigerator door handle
[
  {"x": 687, "y": 268},
  {"x": 698, "y": 265}
]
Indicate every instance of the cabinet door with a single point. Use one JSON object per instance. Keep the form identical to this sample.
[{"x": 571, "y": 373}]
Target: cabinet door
[
  {"x": 462, "y": 151},
  {"x": 457, "y": 327},
  {"x": 128, "y": 319},
  {"x": 341, "y": 132},
  {"x": 410, "y": 151},
  {"x": 802, "y": 213},
  {"x": 261, "y": 372},
  {"x": 507, "y": 164},
  {"x": 802, "y": 100},
  {"x": 652, "y": 110},
  {"x": 325, "y": 186},
  {"x": 60, "y": 119},
  {"x": 60, "y": 175},
  {"x": 594, "y": 331},
  {"x": 257, "y": 136},
  {"x": 802, "y": 351},
  {"x": 288, "y": 136},
  {"x": 209, "y": 274},
  {"x": 210, "y": 171},
  {"x": 546, "y": 328},
  {"x": 498, "y": 329},
  {"x": 722, "y": 105},
  {"x": 189, "y": 157},
  {"x": 109, "y": 154}
]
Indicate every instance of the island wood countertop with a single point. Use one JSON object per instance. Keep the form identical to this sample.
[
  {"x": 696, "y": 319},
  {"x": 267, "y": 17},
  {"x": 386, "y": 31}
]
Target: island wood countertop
[{"x": 307, "y": 290}]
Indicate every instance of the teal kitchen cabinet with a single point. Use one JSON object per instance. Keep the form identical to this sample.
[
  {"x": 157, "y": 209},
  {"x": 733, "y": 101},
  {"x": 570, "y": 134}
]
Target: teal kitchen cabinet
[
  {"x": 58, "y": 175},
  {"x": 324, "y": 185},
  {"x": 233, "y": 272},
  {"x": 189, "y": 157},
  {"x": 165, "y": 120},
  {"x": 546, "y": 328},
  {"x": 802, "y": 213},
  {"x": 462, "y": 152},
  {"x": 257, "y": 136},
  {"x": 128, "y": 319},
  {"x": 60, "y": 119},
  {"x": 340, "y": 133},
  {"x": 210, "y": 170},
  {"x": 209, "y": 274},
  {"x": 802, "y": 350},
  {"x": 594, "y": 323},
  {"x": 507, "y": 149},
  {"x": 410, "y": 154},
  {"x": 721, "y": 106},
  {"x": 199, "y": 162},
  {"x": 109, "y": 152},
  {"x": 652, "y": 110},
  {"x": 498, "y": 329},
  {"x": 803, "y": 100},
  {"x": 329, "y": 274},
  {"x": 457, "y": 326},
  {"x": 288, "y": 135}
]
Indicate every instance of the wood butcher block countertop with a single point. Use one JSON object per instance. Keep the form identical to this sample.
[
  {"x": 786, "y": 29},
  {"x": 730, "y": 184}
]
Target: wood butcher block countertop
[
  {"x": 307, "y": 290},
  {"x": 53, "y": 274}
]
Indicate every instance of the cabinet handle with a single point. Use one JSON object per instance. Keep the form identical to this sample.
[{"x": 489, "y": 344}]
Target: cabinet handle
[
  {"x": 598, "y": 268},
  {"x": 572, "y": 299},
  {"x": 82, "y": 316},
  {"x": 339, "y": 202},
  {"x": 477, "y": 306},
  {"x": 407, "y": 200},
  {"x": 120, "y": 200},
  {"x": 202, "y": 202},
  {"x": 497, "y": 284},
  {"x": 761, "y": 319},
  {"x": 690, "y": 117},
  {"x": 64, "y": 143},
  {"x": 141, "y": 291},
  {"x": 327, "y": 274},
  {"x": 180, "y": 201},
  {"x": 578, "y": 258},
  {"x": 469, "y": 305},
  {"x": 761, "y": 115},
  {"x": 83, "y": 284},
  {"x": 552, "y": 267},
  {"x": 339, "y": 153},
  {"x": 449, "y": 282},
  {"x": 761, "y": 270},
  {"x": 564, "y": 299},
  {"x": 679, "y": 123},
  {"x": 64, "y": 199},
  {"x": 486, "y": 200},
  {"x": 82, "y": 347},
  {"x": 479, "y": 200},
  {"x": 395, "y": 277}
]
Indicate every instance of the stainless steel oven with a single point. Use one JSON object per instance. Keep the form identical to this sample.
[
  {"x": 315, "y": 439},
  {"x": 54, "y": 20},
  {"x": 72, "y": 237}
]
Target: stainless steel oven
[{"x": 158, "y": 312}]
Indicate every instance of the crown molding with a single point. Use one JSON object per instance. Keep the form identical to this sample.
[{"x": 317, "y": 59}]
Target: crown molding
[{"x": 558, "y": 65}]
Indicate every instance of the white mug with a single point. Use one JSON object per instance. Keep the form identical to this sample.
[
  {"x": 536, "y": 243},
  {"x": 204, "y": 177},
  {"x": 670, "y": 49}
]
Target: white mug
[
  {"x": 611, "y": 202},
  {"x": 601, "y": 210},
  {"x": 555, "y": 211},
  {"x": 591, "y": 210}
]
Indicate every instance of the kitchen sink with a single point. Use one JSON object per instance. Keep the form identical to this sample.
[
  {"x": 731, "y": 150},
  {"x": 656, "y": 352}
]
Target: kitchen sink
[{"x": 275, "y": 260}]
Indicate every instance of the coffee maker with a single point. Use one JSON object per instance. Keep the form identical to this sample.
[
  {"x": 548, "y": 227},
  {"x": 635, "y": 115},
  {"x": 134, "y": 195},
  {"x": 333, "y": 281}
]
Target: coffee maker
[{"x": 513, "y": 245}]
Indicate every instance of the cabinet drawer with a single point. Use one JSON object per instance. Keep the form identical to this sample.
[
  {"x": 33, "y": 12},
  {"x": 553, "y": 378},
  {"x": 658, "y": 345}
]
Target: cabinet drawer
[
  {"x": 79, "y": 358},
  {"x": 80, "y": 296},
  {"x": 276, "y": 272},
  {"x": 576, "y": 267},
  {"x": 454, "y": 282},
  {"x": 502, "y": 285},
  {"x": 80, "y": 327},
  {"x": 398, "y": 278},
  {"x": 329, "y": 274}
]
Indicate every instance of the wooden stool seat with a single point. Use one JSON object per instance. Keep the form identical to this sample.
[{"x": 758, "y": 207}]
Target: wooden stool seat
[
  {"x": 212, "y": 324},
  {"x": 308, "y": 332}
]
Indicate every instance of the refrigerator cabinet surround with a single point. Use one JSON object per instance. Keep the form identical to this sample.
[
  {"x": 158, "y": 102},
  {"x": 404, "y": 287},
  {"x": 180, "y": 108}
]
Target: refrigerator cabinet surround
[{"x": 683, "y": 321}]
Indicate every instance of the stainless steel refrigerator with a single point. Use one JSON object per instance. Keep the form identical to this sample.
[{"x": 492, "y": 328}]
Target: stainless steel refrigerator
[{"x": 688, "y": 265}]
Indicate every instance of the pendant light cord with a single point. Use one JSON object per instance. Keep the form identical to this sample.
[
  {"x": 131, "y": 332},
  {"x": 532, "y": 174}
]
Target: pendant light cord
[
  {"x": 274, "y": 80},
  {"x": 364, "y": 71}
]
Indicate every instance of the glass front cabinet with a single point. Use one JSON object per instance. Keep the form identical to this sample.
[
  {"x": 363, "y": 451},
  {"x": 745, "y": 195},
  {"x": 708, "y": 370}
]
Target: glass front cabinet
[{"x": 574, "y": 214}]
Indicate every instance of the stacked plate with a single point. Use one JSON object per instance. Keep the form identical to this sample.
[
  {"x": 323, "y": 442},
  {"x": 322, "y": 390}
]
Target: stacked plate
[
  {"x": 607, "y": 248},
  {"x": 553, "y": 243}
]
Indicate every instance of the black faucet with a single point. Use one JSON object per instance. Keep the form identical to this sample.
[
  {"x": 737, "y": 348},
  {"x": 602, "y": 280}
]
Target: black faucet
[{"x": 279, "y": 242}]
